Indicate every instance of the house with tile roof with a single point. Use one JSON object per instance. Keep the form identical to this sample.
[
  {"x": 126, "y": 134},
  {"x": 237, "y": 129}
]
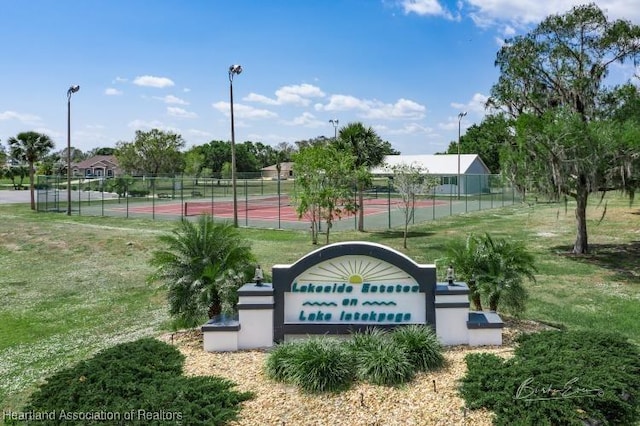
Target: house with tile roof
[{"x": 98, "y": 166}]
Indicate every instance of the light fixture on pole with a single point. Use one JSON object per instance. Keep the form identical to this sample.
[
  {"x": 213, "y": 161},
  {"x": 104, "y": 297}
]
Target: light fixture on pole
[
  {"x": 335, "y": 127},
  {"x": 233, "y": 69},
  {"x": 460, "y": 115},
  {"x": 73, "y": 89}
]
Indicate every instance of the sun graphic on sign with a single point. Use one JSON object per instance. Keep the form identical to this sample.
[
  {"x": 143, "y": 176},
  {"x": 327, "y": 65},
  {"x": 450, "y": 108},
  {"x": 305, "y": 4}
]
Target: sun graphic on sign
[{"x": 354, "y": 270}]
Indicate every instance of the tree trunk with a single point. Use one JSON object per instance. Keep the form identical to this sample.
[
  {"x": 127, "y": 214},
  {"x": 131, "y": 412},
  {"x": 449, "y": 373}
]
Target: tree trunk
[
  {"x": 215, "y": 308},
  {"x": 406, "y": 230},
  {"x": 493, "y": 303},
  {"x": 581, "y": 245},
  {"x": 475, "y": 295}
]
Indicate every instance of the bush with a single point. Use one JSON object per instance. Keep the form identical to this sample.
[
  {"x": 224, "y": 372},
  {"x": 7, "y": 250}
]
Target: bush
[
  {"x": 138, "y": 192},
  {"x": 318, "y": 364},
  {"x": 278, "y": 364},
  {"x": 421, "y": 346},
  {"x": 379, "y": 357},
  {"x": 560, "y": 378},
  {"x": 385, "y": 364},
  {"x": 370, "y": 339},
  {"x": 142, "y": 375},
  {"x": 321, "y": 364}
]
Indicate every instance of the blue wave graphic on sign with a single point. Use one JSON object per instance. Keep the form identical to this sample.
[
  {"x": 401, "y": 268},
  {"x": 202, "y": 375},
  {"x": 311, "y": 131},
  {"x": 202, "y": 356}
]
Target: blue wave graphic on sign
[{"x": 319, "y": 304}]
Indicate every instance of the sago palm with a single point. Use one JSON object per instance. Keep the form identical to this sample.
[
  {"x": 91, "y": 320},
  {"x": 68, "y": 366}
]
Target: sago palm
[
  {"x": 506, "y": 265},
  {"x": 197, "y": 256},
  {"x": 467, "y": 258}
]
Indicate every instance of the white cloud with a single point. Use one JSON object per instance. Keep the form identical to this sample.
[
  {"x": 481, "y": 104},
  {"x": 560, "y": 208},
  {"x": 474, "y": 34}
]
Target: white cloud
[
  {"x": 425, "y": 8},
  {"x": 374, "y": 109},
  {"x": 186, "y": 90},
  {"x": 199, "y": 133},
  {"x": 180, "y": 113},
  {"x": 254, "y": 97},
  {"x": 151, "y": 81},
  {"x": 53, "y": 134},
  {"x": 243, "y": 111},
  {"x": 408, "y": 129},
  {"x": 119, "y": 80},
  {"x": 524, "y": 13},
  {"x": 23, "y": 118},
  {"x": 170, "y": 99},
  {"x": 110, "y": 91},
  {"x": 307, "y": 120},
  {"x": 476, "y": 104},
  {"x": 300, "y": 94},
  {"x": 153, "y": 124},
  {"x": 342, "y": 103}
]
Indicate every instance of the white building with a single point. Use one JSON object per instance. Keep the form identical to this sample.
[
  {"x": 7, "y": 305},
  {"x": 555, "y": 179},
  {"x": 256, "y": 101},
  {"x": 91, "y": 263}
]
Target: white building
[{"x": 474, "y": 174}]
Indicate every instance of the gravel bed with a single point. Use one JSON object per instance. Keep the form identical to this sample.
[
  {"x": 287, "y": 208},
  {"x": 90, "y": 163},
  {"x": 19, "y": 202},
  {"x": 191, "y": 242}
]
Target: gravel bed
[{"x": 430, "y": 399}]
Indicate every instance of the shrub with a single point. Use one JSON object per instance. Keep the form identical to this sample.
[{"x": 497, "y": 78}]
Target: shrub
[
  {"x": 564, "y": 378},
  {"x": 375, "y": 355},
  {"x": 384, "y": 364},
  {"x": 370, "y": 339},
  {"x": 421, "y": 345},
  {"x": 278, "y": 364},
  {"x": 321, "y": 364},
  {"x": 142, "y": 375}
]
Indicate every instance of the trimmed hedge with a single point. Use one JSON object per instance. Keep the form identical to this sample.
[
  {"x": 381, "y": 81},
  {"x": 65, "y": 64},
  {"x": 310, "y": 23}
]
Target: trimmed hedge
[
  {"x": 558, "y": 378},
  {"x": 139, "y": 383}
]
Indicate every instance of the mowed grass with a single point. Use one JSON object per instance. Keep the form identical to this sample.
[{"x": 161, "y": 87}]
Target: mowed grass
[{"x": 71, "y": 286}]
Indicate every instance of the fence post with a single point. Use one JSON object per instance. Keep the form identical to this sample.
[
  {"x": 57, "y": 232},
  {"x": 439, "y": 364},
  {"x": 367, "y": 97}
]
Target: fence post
[
  {"x": 466, "y": 194},
  {"x": 389, "y": 199},
  {"x": 246, "y": 204},
  {"x": 433, "y": 204}
]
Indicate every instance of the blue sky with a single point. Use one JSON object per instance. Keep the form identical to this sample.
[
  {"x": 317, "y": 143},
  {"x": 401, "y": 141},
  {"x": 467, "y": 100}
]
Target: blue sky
[{"x": 404, "y": 67}]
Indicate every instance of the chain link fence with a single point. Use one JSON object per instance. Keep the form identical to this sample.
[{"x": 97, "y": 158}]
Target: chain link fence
[{"x": 260, "y": 202}]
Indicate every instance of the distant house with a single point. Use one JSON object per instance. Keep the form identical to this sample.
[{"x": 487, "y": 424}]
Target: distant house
[
  {"x": 474, "y": 174},
  {"x": 97, "y": 167},
  {"x": 271, "y": 172}
]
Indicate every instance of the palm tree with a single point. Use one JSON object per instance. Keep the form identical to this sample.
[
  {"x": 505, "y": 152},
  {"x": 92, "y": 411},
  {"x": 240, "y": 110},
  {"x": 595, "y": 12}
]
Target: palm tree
[
  {"x": 506, "y": 265},
  {"x": 199, "y": 260},
  {"x": 30, "y": 147},
  {"x": 495, "y": 270},
  {"x": 467, "y": 260},
  {"x": 369, "y": 151}
]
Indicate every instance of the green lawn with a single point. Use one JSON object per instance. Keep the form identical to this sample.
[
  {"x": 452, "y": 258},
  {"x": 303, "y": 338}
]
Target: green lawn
[{"x": 71, "y": 286}]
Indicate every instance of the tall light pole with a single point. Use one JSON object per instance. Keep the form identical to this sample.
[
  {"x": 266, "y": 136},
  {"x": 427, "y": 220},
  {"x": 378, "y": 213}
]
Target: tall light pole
[
  {"x": 233, "y": 69},
  {"x": 335, "y": 127},
  {"x": 73, "y": 89},
  {"x": 460, "y": 115}
]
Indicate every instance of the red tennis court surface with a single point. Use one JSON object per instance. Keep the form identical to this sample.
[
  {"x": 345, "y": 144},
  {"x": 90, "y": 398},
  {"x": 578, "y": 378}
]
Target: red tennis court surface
[{"x": 263, "y": 209}]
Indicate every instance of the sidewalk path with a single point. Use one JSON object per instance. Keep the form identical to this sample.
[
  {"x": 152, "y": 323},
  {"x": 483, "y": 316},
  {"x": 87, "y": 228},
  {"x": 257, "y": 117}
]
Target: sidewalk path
[{"x": 13, "y": 197}]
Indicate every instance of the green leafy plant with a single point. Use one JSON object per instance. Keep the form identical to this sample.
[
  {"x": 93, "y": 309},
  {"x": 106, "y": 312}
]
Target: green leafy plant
[
  {"x": 321, "y": 364},
  {"x": 199, "y": 260},
  {"x": 374, "y": 355},
  {"x": 559, "y": 378},
  {"x": 495, "y": 270},
  {"x": 141, "y": 376},
  {"x": 385, "y": 364},
  {"x": 421, "y": 345},
  {"x": 278, "y": 365}
]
